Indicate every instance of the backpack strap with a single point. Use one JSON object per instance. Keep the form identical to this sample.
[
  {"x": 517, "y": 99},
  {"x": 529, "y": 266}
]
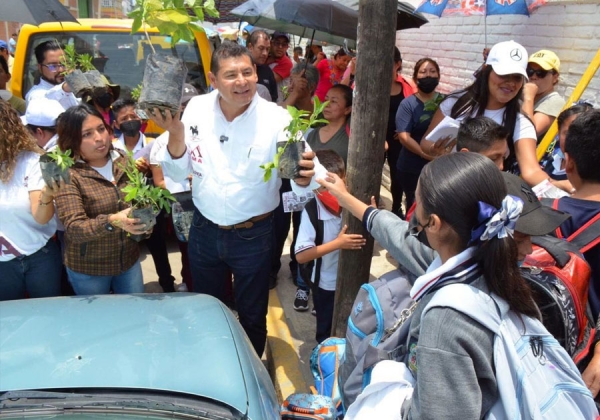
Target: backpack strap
[
  {"x": 588, "y": 235},
  {"x": 313, "y": 215}
]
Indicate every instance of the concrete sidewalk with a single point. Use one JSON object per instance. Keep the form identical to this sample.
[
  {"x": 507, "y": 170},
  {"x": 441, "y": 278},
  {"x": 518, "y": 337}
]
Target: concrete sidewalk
[{"x": 291, "y": 334}]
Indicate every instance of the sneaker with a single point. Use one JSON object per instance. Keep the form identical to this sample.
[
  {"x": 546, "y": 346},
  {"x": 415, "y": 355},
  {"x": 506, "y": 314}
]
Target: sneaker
[
  {"x": 301, "y": 301},
  {"x": 182, "y": 287},
  {"x": 313, "y": 312}
]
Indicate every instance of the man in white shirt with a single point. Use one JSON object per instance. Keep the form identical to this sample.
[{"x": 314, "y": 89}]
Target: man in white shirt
[
  {"x": 222, "y": 139},
  {"x": 52, "y": 81},
  {"x": 40, "y": 118}
]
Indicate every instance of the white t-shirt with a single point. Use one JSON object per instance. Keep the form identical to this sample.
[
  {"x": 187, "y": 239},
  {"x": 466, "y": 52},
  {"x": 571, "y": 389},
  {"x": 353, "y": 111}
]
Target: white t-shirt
[
  {"x": 155, "y": 152},
  {"x": 106, "y": 171},
  {"x": 307, "y": 235},
  {"x": 20, "y": 234},
  {"x": 524, "y": 129}
]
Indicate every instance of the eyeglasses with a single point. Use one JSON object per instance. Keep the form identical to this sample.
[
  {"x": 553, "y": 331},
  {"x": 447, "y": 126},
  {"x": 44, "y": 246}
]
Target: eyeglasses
[
  {"x": 415, "y": 229},
  {"x": 281, "y": 44},
  {"x": 54, "y": 66},
  {"x": 539, "y": 73}
]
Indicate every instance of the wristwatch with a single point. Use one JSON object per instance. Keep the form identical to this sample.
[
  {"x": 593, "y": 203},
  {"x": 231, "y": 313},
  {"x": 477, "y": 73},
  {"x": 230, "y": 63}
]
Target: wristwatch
[{"x": 109, "y": 227}]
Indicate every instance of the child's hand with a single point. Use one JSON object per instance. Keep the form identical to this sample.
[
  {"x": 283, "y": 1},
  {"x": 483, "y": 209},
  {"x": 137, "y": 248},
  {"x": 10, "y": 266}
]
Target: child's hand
[{"x": 350, "y": 240}]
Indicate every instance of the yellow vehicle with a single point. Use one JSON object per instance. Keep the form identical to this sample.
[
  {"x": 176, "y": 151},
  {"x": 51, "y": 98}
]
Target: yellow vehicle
[{"x": 116, "y": 53}]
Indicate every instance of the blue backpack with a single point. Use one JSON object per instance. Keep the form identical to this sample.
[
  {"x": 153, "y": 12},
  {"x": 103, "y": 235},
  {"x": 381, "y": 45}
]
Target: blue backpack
[{"x": 325, "y": 361}]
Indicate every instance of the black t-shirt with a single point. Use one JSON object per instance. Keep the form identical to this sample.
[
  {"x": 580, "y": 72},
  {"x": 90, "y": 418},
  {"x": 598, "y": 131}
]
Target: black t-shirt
[
  {"x": 581, "y": 212},
  {"x": 267, "y": 79},
  {"x": 394, "y": 145}
]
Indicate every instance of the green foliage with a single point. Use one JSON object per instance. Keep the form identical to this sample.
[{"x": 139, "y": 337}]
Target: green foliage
[
  {"x": 175, "y": 18},
  {"x": 139, "y": 194},
  {"x": 62, "y": 159},
  {"x": 431, "y": 105},
  {"x": 300, "y": 122},
  {"x": 73, "y": 61},
  {"x": 136, "y": 92}
]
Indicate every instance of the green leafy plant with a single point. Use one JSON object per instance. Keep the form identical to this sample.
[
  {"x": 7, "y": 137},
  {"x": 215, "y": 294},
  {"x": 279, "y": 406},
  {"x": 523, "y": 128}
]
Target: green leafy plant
[
  {"x": 172, "y": 17},
  {"x": 139, "y": 194},
  {"x": 431, "y": 105},
  {"x": 301, "y": 121},
  {"x": 136, "y": 92},
  {"x": 73, "y": 61},
  {"x": 62, "y": 159}
]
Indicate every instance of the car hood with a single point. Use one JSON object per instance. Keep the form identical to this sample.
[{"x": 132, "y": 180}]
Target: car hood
[{"x": 175, "y": 342}]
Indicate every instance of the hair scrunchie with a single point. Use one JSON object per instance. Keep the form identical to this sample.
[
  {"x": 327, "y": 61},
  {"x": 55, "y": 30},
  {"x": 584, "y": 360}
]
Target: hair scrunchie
[{"x": 495, "y": 222}]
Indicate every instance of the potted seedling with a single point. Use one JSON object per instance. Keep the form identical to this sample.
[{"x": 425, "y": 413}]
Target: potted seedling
[
  {"x": 55, "y": 165},
  {"x": 164, "y": 75},
  {"x": 75, "y": 78},
  {"x": 146, "y": 201},
  {"x": 93, "y": 76},
  {"x": 289, "y": 152}
]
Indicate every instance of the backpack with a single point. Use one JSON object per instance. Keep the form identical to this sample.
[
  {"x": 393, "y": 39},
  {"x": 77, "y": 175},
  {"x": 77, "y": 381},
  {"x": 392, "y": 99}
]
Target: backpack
[
  {"x": 536, "y": 378},
  {"x": 306, "y": 269},
  {"x": 325, "y": 361},
  {"x": 376, "y": 329}
]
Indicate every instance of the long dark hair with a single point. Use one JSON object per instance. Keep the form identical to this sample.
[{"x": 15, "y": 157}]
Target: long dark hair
[
  {"x": 475, "y": 98},
  {"x": 70, "y": 124},
  {"x": 452, "y": 187}
]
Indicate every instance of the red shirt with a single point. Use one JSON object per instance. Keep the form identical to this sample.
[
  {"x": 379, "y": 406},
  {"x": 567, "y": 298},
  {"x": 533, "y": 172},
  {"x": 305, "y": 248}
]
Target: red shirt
[
  {"x": 282, "y": 67},
  {"x": 328, "y": 76}
]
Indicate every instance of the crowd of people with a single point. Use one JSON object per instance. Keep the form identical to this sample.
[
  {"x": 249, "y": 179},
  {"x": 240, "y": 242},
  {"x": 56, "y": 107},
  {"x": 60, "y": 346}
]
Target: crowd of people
[{"x": 76, "y": 237}]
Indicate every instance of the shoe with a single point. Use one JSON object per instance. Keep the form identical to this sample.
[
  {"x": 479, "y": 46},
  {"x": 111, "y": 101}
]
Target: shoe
[
  {"x": 313, "y": 312},
  {"x": 301, "y": 301},
  {"x": 182, "y": 287},
  {"x": 272, "y": 281}
]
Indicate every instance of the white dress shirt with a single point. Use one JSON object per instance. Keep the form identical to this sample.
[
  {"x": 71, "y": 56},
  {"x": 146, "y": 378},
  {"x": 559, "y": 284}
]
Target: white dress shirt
[
  {"x": 119, "y": 143},
  {"x": 224, "y": 158},
  {"x": 47, "y": 90}
]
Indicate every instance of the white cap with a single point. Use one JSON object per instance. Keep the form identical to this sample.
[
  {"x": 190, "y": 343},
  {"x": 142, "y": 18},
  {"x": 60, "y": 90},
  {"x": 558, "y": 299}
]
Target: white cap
[
  {"x": 42, "y": 112},
  {"x": 508, "y": 57}
]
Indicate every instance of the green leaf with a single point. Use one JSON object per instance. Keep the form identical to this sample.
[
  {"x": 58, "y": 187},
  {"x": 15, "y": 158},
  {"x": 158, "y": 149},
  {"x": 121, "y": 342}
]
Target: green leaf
[
  {"x": 137, "y": 24},
  {"x": 267, "y": 176},
  {"x": 176, "y": 16},
  {"x": 199, "y": 12},
  {"x": 197, "y": 27}
]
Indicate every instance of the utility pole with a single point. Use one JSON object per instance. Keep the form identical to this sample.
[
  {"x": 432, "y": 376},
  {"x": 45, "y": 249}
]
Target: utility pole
[{"x": 376, "y": 40}]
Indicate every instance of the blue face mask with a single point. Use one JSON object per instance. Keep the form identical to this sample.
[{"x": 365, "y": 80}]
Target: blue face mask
[{"x": 557, "y": 161}]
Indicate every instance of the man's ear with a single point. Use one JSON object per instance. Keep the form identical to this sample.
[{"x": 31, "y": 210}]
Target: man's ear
[
  {"x": 464, "y": 149},
  {"x": 570, "y": 165},
  {"x": 212, "y": 79}
]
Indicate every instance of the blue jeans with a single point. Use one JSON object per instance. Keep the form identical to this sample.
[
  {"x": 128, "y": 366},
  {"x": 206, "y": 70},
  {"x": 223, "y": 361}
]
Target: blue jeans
[
  {"x": 214, "y": 251},
  {"x": 130, "y": 281},
  {"x": 37, "y": 274}
]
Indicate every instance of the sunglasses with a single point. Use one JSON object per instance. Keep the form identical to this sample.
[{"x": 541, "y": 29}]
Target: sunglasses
[
  {"x": 54, "y": 67},
  {"x": 539, "y": 73},
  {"x": 281, "y": 44}
]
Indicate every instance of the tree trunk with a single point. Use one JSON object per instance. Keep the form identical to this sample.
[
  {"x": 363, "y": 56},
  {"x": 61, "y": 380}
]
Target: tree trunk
[{"x": 376, "y": 40}]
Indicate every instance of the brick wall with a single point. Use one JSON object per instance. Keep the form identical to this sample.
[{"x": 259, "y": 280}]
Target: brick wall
[{"x": 569, "y": 28}]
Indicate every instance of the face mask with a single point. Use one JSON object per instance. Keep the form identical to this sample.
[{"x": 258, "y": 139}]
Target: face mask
[
  {"x": 104, "y": 100},
  {"x": 520, "y": 263},
  {"x": 428, "y": 84},
  {"x": 557, "y": 161},
  {"x": 131, "y": 128},
  {"x": 417, "y": 232},
  {"x": 330, "y": 202}
]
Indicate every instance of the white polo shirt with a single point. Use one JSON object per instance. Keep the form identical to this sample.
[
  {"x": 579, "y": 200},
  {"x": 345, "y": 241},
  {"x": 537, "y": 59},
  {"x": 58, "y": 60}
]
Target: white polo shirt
[
  {"x": 119, "y": 143},
  {"x": 224, "y": 158},
  {"x": 50, "y": 91},
  {"x": 307, "y": 235}
]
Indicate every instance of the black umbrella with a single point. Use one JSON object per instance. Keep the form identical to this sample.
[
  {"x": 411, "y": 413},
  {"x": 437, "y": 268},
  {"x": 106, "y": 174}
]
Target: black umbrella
[
  {"x": 325, "y": 20},
  {"x": 35, "y": 11}
]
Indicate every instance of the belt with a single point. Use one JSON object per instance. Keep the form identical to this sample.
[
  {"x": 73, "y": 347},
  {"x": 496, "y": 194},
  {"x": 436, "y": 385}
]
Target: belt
[{"x": 248, "y": 223}]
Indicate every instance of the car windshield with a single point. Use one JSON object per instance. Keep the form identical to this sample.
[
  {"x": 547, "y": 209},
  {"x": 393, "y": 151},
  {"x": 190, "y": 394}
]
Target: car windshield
[
  {"x": 120, "y": 56},
  {"x": 109, "y": 404}
]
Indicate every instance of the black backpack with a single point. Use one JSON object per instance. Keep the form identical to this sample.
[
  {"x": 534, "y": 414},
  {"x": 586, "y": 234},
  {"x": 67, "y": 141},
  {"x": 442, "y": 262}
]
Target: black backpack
[{"x": 306, "y": 269}]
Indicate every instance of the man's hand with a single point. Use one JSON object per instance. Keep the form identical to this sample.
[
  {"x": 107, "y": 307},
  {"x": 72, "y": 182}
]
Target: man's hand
[
  {"x": 350, "y": 240},
  {"x": 142, "y": 165},
  {"x": 530, "y": 89},
  {"x": 299, "y": 86},
  {"x": 591, "y": 374},
  {"x": 308, "y": 172},
  {"x": 442, "y": 147},
  {"x": 169, "y": 123}
]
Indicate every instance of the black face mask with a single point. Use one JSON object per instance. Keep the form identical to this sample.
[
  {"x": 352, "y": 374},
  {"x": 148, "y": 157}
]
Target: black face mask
[
  {"x": 416, "y": 231},
  {"x": 428, "y": 84},
  {"x": 104, "y": 100},
  {"x": 130, "y": 128}
]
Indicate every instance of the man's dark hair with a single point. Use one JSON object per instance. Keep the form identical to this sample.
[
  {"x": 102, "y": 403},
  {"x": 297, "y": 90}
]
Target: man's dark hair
[
  {"x": 397, "y": 55},
  {"x": 226, "y": 50},
  {"x": 479, "y": 134},
  {"x": 4, "y": 64},
  {"x": 34, "y": 128},
  {"x": 298, "y": 50},
  {"x": 119, "y": 104},
  {"x": 256, "y": 35},
  {"x": 582, "y": 145},
  {"x": 40, "y": 50},
  {"x": 332, "y": 161},
  {"x": 574, "y": 110}
]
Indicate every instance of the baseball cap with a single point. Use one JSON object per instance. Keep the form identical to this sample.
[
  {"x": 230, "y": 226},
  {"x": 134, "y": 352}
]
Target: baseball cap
[
  {"x": 535, "y": 219},
  {"x": 278, "y": 34},
  {"x": 42, "y": 112},
  {"x": 508, "y": 57},
  {"x": 546, "y": 59},
  {"x": 3, "y": 45},
  {"x": 189, "y": 92}
]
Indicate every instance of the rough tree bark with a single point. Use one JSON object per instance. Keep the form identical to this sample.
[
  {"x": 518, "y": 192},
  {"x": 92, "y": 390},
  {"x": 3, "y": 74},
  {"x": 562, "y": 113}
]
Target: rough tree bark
[{"x": 376, "y": 40}]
